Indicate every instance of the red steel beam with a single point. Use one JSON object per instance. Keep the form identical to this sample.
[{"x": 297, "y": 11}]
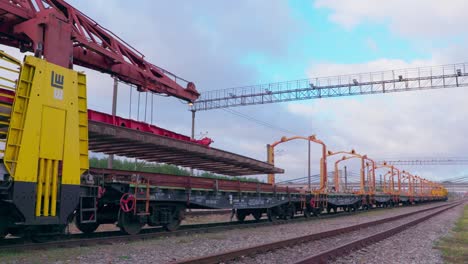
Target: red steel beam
[
  {"x": 66, "y": 37},
  {"x": 123, "y": 122}
]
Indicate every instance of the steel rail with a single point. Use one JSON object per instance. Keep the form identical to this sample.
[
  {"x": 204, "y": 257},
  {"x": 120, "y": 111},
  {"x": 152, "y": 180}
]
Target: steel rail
[
  {"x": 109, "y": 237},
  {"x": 343, "y": 250},
  {"x": 249, "y": 251}
]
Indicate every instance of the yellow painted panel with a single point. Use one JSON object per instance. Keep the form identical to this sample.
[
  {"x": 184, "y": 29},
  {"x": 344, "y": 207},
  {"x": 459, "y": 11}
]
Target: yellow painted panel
[
  {"x": 52, "y": 133},
  {"x": 48, "y": 127},
  {"x": 48, "y": 121}
]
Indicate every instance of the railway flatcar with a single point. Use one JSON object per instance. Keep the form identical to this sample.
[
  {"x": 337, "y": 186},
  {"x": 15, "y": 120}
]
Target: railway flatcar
[
  {"x": 47, "y": 132},
  {"x": 133, "y": 199},
  {"x": 46, "y": 181}
]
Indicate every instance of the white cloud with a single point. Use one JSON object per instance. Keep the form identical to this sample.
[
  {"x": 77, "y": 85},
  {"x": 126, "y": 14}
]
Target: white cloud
[
  {"x": 383, "y": 64},
  {"x": 371, "y": 44},
  {"x": 202, "y": 41},
  {"x": 426, "y": 18},
  {"x": 409, "y": 124}
]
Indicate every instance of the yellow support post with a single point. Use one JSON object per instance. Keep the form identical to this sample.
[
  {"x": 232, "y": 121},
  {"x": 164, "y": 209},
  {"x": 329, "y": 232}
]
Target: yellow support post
[
  {"x": 40, "y": 183},
  {"x": 47, "y": 186},
  {"x": 53, "y": 209}
]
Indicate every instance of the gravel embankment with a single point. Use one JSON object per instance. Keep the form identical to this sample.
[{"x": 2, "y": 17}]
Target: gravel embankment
[
  {"x": 291, "y": 254},
  {"x": 415, "y": 245},
  {"x": 170, "y": 249}
]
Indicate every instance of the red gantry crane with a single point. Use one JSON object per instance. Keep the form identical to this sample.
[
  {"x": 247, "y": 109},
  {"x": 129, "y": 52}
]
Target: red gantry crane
[
  {"x": 61, "y": 34},
  {"x": 46, "y": 146},
  {"x": 47, "y": 130}
]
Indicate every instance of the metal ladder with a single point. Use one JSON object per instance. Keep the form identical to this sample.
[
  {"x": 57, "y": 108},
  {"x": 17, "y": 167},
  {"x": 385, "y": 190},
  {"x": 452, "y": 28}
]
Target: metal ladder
[
  {"x": 9, "y": 73},
  {"x": 320, "y": 200},
  {"x": 88, "y": 207},
  {"x": 146, "y": 199}
]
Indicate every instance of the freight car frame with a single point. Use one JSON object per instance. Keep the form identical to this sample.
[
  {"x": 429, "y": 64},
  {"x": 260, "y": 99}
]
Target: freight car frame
[
  {"x": 129, "y": 197},
  {"x": 46, "y": 180},
  {"x": 132, "y": 199}
]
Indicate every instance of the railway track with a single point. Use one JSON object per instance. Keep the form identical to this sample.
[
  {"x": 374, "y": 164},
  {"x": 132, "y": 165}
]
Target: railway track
[
  {"x": 332, "y": 251},
  {"x": 110, "y": 237}
]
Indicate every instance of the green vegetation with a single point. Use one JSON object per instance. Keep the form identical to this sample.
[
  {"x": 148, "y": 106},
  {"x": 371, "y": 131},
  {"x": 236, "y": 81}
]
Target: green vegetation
[
  {"x": 454, "y": 247},
  {"x": 121, "y": 164}
]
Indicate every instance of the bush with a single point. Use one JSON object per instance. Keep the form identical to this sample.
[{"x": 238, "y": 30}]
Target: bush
[{"x": 143, "y": 166}]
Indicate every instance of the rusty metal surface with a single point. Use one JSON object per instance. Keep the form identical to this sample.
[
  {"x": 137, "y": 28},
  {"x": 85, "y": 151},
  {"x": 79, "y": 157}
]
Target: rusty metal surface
[
  {"x": 154, "y": 148},
  {"x": 187, "y": 182}
]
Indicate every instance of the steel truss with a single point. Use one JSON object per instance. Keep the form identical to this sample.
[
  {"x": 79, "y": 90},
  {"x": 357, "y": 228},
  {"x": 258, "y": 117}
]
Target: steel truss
[
  {"x": 432, "y": 161},
  {"x": 424, "y": 78}
]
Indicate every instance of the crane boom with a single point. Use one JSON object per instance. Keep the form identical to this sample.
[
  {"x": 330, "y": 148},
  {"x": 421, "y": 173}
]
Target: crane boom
[
  {"x": 64, "y": 36},
  {"x": 424, "y": 78}
]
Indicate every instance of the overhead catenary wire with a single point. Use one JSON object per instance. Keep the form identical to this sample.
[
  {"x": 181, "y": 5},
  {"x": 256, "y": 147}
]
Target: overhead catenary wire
[
  {"x": 260, "y": 122},
  {"x": 231, "y": 111}
]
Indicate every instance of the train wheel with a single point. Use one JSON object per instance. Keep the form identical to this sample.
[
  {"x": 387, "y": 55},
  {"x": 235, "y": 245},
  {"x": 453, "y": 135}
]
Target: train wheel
[
  {"x": 307, "y": 212},
  {"x": 292, "y": 211},
  {"x": 173, "y": 225},
  {"x": 86, "y": 228},
  {"x": 272, "y": 214},
  {"x": 317, "y": 211},
  {"x": 176, "y": 220},
  {"x": 129, "y": 223},
  {"x": 257, "y": 214},
  {"x": 288, "y": 212},
  {"x": 240, "y": 215}
]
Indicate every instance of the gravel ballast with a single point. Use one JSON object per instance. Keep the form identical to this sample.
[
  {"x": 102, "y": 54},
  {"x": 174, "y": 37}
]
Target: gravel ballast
[
  {"x": 415, "y": 245},
  {"x": 171, "y": 249},
  {"x": 305, "y": 250}
]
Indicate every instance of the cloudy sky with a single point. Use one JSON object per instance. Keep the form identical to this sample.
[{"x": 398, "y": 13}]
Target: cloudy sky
[{"x": 223, "y": 44}]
